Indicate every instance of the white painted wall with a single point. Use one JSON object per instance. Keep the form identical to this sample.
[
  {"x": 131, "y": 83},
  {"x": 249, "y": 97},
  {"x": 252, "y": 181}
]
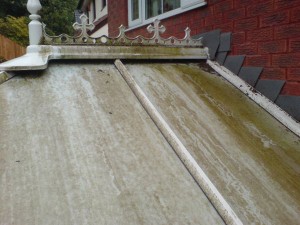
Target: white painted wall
[{"x": 102, "y": 31}]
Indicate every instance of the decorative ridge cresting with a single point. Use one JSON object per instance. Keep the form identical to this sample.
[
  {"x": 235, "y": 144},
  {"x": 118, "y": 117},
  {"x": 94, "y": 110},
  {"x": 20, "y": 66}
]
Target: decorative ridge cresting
[{"x": 121, "y": 40}]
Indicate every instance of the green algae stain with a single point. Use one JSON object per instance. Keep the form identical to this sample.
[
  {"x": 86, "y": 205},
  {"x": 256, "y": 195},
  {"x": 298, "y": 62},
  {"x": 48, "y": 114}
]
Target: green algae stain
[
  {"x": 3, "y": 77},
  {"x": 257, "y": 133},
  {"x": 252, "y": 126},
  {"x": 235, "y": 107}
]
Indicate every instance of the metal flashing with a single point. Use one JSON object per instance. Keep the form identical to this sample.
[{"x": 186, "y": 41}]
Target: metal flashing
[
  {"x": 221, "y": 57},
  {"x": 250, "y": 74},
  {"x": 234, "y": 63},
  {"x": 270, "y": 88},
  {"x": 291, "y": 104},
  {"x": 211, "y": 40},
  {"x": 225, "y": 42}
]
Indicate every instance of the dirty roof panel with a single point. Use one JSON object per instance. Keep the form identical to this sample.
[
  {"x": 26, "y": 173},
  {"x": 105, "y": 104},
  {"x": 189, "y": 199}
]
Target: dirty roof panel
[
  {"x": 78, "y": 148},
  {"x": 250, "y": 157}
]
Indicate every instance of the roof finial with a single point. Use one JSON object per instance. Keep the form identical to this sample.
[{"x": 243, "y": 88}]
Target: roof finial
[
  {"x": 35, "y": 26},
  {"x": 122, "y": 39},
  {"x": 84, "y": 26},
  {"x": 156, "y": 29}
]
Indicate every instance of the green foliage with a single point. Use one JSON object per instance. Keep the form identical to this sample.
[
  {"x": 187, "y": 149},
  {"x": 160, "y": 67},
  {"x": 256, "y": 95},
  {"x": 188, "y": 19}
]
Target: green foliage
[
  {"x": 14, "y": 21},
  {"x": 14, "y": 8},
  {"x": 58, "y": 15},
  {"x": 15, "y": 29}
]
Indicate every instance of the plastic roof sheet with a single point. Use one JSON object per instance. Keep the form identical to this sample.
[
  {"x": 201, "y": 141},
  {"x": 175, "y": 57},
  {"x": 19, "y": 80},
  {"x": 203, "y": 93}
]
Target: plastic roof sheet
[{"x": 78, "y": 148}]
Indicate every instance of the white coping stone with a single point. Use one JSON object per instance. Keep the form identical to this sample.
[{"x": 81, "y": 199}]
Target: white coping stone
[{"x": 38, "y": 56}]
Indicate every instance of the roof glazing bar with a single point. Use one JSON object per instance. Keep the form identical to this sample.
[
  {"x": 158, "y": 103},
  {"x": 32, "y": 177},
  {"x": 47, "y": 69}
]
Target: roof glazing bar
[{"x": 215, "y": 197}]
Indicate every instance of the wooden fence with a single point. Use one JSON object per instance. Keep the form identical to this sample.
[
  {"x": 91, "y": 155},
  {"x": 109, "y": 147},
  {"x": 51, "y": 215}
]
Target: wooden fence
[{"x": 10, "y": 49}]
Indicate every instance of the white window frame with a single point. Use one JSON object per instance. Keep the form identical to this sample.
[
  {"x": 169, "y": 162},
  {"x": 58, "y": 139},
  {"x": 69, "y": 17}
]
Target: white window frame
[
  {"x": 138, "y": 20},
  {"x": 185, "y": 5},
  {"x": 103, "y": 11},
  {"x": 99, "y": 10}
]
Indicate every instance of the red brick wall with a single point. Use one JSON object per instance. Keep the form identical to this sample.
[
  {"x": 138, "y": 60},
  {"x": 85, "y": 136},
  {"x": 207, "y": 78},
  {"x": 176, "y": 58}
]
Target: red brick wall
[
  {"x": 266, "y": 31},
  {"x": 117, "y": 15}
]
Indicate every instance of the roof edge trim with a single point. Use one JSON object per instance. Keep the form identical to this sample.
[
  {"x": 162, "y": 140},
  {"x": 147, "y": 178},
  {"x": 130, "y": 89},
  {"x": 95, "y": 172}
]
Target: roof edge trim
[
  {"x": 257, "y": 97},
  {"x": 38, "y": 56}
]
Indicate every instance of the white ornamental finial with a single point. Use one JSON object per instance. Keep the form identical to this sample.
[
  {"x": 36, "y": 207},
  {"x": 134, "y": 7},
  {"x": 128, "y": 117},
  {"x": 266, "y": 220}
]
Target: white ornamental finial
[
  {"x": 33, "y": 6},
  {"x": 122, "y": 39},
  {"x": 84, "y": 26},
  {"x": 35, "y": 26},
  {"x": 156, "y": 29}
]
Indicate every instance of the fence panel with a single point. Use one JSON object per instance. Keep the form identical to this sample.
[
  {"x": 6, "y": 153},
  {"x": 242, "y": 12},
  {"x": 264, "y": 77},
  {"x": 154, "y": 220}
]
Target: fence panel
[{"x": 9, "y": 49}]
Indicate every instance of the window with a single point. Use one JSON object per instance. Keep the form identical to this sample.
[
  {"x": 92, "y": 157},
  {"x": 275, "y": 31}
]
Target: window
[
  {"x": 157, "y": 7},
  {"x": 97, "y": 9},
  {"x": 141, "y": 12},
  {"x": 135, "y": 9},
  {"x": 94, "y": 9}
]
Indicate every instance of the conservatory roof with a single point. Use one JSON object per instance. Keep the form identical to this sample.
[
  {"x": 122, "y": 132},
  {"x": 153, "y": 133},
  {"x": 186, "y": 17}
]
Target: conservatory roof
[
  {"x": 119, "y": 130},
  {"x": 79, "y": 145}
]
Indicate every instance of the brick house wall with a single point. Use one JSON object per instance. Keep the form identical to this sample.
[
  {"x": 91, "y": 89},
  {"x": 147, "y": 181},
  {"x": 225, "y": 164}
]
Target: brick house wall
[
  {"x": 117, "y": 15},
  {"x": 266, "y": 31}
]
